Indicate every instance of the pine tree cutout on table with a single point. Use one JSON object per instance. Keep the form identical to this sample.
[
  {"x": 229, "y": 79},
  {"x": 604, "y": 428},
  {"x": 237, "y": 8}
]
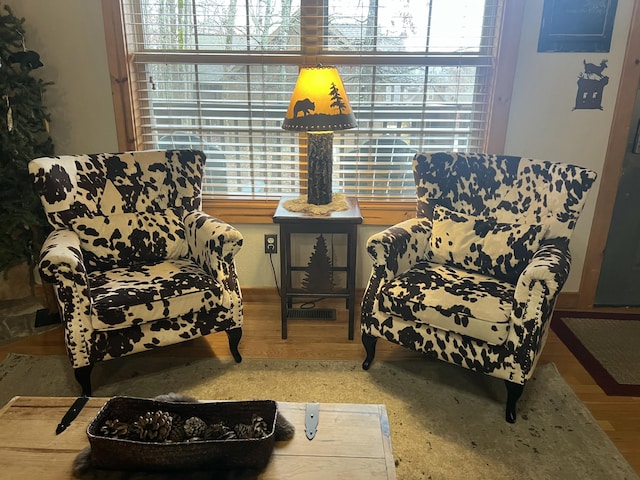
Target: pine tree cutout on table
[
  {"x": 24, "y": 136},
  {"x": 319, "y": 273}
]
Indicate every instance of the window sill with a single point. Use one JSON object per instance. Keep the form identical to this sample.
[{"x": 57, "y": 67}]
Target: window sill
[{"x": 234, "y": 211}]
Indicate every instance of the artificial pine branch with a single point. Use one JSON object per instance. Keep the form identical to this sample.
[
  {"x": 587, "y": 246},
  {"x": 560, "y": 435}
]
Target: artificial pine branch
[{"x": 22, "y": 220}]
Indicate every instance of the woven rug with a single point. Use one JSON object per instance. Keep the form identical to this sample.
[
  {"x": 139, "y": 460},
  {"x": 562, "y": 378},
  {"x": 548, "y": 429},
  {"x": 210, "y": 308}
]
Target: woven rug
[
  {"x": 606, "y": 344},
  {"x": 446, "y": 422}
]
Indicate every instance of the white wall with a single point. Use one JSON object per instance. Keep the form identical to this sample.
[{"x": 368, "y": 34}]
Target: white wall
[
  {"x": 542, "y": 124},
  {"x": 69, "y": 36}
]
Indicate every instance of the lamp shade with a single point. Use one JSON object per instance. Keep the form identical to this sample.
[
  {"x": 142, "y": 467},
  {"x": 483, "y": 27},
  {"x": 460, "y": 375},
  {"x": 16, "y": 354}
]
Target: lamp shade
[{"x": 319, "y": 102}]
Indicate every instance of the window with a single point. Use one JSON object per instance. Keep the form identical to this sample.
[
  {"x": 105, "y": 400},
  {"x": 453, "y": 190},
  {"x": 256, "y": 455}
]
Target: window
[{"x": 218, "y": 74}]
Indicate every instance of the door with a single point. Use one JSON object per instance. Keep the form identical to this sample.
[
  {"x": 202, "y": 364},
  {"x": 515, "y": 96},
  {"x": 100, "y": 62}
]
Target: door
[{"x": 619, "y": 282}]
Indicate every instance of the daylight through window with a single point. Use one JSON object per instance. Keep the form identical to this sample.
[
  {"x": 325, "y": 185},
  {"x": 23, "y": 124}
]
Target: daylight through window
[{"x": 218, "y": 74}]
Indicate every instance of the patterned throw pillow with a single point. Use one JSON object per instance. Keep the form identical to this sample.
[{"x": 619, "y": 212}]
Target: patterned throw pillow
[
  {"x": 125, "y": 239},
  {"x": 483, "y": 245}
]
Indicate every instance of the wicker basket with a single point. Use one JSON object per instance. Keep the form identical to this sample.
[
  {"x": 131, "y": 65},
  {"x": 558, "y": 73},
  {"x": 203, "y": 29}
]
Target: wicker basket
[{"x": 120, "y": 454}]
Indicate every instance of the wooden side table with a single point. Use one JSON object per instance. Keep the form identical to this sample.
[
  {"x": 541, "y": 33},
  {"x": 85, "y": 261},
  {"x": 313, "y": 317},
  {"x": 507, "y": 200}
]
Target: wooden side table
[{"x": 343, "y": 222}]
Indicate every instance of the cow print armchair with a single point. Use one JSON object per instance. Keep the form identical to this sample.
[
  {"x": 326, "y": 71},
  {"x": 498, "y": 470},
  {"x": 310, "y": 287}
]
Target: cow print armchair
[
  {"x": 134, "y": 262},
  {"x": 473, "y": 279}
]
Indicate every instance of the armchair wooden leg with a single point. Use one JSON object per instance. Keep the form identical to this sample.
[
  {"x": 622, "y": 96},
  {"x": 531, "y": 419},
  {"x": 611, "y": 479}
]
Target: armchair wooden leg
[
  {"x": 235, "y": 334},
  {"x": 514, "y": 390},
  {"x": 369, "y": 342},
  {"x": 83, "y": 376}
]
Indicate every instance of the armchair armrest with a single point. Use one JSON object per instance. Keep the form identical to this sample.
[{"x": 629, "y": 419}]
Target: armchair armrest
[
  {"x": 212, "y": 243},
  {"x": 399, "y": 247},
  {"x": 61, "y": 259},
  {"x": 550, "y": 265},
  {"x": 62, "y": 263},
  {"x": 534, "y": 298}
]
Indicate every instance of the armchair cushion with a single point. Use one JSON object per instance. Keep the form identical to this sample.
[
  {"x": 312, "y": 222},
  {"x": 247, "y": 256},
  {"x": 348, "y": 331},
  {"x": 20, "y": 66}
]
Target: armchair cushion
[
  {"x": 483, "y": 244},
  {"x": 127, "y": 296},
  {"x": 451, "y": 299},
  {"x": 125, "y": 239}
]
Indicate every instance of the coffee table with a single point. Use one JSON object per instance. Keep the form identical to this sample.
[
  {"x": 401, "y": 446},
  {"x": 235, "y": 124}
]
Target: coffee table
[{"x": 352, "y": 441}]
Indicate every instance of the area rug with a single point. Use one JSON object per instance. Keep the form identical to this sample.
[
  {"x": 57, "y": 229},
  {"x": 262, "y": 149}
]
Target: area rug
[
  {"x": 606, "y": 344},
  {"x": 446, "y": 422}
]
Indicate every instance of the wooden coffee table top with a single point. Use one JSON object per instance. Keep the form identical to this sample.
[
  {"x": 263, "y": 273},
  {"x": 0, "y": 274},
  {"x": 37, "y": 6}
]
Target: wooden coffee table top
[{"x": 352, "y": 441}]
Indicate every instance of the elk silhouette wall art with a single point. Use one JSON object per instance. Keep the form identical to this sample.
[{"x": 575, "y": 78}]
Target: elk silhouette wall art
[{"x": 591, "y": 83}]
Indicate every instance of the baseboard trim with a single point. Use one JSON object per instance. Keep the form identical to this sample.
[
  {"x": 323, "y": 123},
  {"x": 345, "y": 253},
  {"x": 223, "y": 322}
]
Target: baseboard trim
[
  {"x": 270, "y": 294},
  {"x": 260, "y": 294},
  {"x": 568, "y": 300}
]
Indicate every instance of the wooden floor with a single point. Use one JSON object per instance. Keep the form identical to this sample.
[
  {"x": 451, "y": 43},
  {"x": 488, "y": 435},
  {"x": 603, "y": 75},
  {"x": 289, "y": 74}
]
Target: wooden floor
[{"x": 326, "y": 339}]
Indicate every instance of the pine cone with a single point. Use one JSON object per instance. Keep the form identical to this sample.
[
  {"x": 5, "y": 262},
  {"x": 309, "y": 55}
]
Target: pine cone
[
  {"x": 115, "y": 429},
  {"x": 195, "y": 427},
  {"x": 230, "y": 434},
  {"x": 216, "y": 431},
  {"x": 243, "y": 430},
  {"x": 177, "y": 433},
  {"x": 153, "y": 426},
  {"x": 260, "y": 427}
]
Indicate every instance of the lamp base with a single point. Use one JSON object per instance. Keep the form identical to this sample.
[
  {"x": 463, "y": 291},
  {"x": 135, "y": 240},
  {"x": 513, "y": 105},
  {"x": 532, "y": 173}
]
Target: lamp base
[{"x": 320, "y": 167}]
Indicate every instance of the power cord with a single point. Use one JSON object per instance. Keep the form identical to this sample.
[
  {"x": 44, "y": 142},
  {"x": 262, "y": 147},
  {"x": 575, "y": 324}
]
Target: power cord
[
  {"x": 305, "y": 305},
  {"x": 275, "y": 276}
]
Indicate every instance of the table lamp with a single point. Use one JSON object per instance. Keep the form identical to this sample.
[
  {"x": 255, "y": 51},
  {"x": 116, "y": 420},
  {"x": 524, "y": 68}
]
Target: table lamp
[{"x": 319, "y": 106}]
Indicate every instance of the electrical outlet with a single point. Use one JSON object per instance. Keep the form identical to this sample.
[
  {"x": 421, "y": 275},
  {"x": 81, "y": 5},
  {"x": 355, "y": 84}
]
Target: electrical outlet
[{"x": 270, "y": 243}]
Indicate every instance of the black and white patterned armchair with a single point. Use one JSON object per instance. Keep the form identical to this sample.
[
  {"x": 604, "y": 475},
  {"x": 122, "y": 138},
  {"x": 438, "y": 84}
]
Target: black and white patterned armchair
[
  {"x": 134, "y": 261},
  {"x": 474, "y": 278}
]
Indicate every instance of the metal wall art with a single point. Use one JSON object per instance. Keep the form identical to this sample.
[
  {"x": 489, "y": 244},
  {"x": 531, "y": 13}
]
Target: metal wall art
[{"x": 591, "y": 83}]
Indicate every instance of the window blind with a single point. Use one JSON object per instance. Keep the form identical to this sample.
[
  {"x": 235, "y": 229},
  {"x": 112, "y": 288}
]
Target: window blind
[{"x": 218, "y": 75}]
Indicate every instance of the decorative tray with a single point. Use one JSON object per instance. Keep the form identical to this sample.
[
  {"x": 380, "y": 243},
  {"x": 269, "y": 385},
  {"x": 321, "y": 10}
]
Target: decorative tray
[{"x": 135, "y": 434}]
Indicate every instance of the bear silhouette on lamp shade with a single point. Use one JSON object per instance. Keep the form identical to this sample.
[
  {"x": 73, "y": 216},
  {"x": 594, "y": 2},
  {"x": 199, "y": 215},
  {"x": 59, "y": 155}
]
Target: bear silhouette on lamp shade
[{"x": 304, "y": 106}]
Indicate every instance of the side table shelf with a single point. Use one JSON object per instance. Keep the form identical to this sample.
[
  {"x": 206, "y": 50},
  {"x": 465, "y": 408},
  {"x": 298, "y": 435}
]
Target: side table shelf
[{"x": 342, "y": 222}]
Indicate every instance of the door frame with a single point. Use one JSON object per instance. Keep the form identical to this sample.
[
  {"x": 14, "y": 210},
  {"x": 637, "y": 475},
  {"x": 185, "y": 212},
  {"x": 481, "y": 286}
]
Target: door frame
[{"x": 611, "y": 171}]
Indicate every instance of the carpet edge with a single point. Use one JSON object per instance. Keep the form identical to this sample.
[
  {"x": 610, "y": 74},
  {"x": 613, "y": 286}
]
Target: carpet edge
[{"x": 590, "y": 363}]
